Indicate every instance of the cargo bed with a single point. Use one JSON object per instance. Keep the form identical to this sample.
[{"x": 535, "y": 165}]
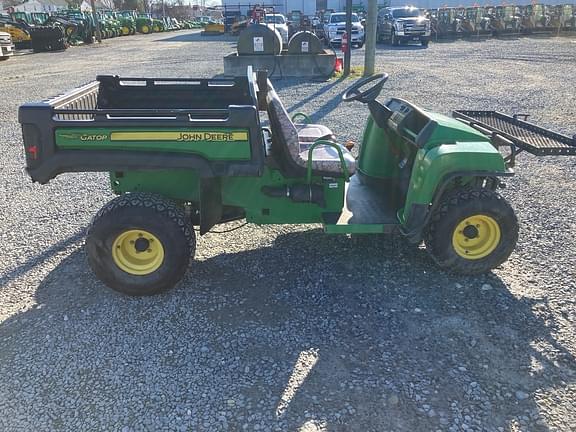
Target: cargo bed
[{"x": 117, "y": 124}]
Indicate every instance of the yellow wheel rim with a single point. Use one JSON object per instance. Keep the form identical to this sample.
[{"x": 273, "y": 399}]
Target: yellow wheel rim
[
  {"x": 145, "y": 29},
  {"x": 125, "y": 31},
  {"x": 138, "y": 252},
  {"x": 476, "y": 237}
]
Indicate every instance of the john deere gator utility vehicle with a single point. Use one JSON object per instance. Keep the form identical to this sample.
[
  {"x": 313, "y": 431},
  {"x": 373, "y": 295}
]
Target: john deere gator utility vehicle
[{"x": 194, "y": 152}]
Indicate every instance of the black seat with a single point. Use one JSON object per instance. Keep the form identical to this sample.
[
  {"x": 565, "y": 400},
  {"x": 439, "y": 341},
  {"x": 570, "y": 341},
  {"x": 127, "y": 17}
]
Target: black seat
[{"x": 291, "y": 147}]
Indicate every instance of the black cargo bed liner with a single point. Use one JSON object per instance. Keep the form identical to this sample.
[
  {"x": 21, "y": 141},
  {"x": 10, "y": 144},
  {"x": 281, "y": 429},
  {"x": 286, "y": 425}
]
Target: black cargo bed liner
[{"x": 116, "y": 102}]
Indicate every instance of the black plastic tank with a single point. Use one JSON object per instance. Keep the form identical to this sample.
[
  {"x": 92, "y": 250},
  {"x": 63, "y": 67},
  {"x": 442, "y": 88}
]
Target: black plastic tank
[
  {"x": 304, "y": 42},
  {"x": 259, "y": 39}
]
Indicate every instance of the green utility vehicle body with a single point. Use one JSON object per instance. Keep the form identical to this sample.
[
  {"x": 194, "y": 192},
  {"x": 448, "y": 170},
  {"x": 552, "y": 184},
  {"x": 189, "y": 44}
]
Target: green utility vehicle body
[
  {"x": 218, "y": 150},
  {"x": 437, "y": 147}
]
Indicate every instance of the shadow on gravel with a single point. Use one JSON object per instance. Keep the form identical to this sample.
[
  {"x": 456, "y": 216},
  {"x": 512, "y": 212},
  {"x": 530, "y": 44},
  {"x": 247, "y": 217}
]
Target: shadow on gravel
[
  {"x": 314, "y": 95},
  {"x": 38, "y": 260},
  {"x": 347, "y": 334},
  {"x": 404, "y": 47},
  {"x": 197, "y": 37},
  {"x": 323, "y": 110}
]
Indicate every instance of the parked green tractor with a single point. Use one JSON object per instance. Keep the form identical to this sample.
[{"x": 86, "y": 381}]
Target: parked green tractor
[
  {"x": 126, "y": 21},
  {"x": 186, "y": 153},
  {"x": 110, "y": 26},
  {"x": 144, "y": 23},
  {"x": 158, "y": 25},
  {"x": 84, "y": 22}
]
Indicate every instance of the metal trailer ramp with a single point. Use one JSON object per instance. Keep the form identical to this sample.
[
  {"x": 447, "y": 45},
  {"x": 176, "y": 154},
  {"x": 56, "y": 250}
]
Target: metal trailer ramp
[{"x": 524, "y": 135}]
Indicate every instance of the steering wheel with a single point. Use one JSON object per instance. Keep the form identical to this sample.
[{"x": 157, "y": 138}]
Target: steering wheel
[{"x": 354, "y": 93}]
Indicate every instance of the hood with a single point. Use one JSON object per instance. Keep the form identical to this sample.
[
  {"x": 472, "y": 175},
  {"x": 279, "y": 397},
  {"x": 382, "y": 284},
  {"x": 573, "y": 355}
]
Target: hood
[
  {"x": 279, "y": 27},
  {"x": 343, "y": 24},
  {"x": 411, "y": 19}
]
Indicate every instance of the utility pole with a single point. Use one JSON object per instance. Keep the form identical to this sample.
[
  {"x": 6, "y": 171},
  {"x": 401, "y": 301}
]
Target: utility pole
[
  {"x": 347, "y": 53},
  {"x": 370, "y": 34},
  {"x": 96, "y": 21}
]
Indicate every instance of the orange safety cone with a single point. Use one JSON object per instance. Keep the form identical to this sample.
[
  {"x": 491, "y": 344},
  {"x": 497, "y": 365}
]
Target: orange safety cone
[{"x": 339, "y": 65}]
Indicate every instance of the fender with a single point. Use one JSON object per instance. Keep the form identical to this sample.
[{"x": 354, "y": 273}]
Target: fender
[{"x": 435, "y": 170}]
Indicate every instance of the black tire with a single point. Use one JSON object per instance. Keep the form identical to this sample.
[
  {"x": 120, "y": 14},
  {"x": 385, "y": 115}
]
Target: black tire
[
  {"x": 155, "y": 215},
  {"x": 455, "y": 209},
  {"x": 424, "y": 42}
]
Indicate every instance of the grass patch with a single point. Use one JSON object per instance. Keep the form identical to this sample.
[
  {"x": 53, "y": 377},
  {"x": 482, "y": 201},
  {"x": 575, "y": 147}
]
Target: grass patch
[{"x": 355, "y": 72}]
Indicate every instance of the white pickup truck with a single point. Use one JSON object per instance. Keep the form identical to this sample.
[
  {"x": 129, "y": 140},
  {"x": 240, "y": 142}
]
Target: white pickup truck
[
  {"x": 6, "y": 46},
  {"x": 335, "y": 27}
]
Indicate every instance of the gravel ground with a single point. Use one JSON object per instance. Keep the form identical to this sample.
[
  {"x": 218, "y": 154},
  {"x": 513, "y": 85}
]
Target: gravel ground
[{"x": 282, "y": 327}]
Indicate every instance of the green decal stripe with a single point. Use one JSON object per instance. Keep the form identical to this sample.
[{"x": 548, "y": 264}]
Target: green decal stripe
[{"x": 215, "y": 144}]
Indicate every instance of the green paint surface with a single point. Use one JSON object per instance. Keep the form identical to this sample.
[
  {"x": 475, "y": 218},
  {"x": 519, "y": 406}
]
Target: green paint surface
[
  {"x": 355, "y": 229},
  {"x": 213, "y": 143},
  {"x": 244, "y": 192},
  {"x": 430, "y": 167}
]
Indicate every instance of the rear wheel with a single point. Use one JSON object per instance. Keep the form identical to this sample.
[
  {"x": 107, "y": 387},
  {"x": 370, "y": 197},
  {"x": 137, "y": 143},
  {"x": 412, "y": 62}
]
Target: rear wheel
[
  {"x": 472, "y": 231},
  {"x": 140, "y": 244}
]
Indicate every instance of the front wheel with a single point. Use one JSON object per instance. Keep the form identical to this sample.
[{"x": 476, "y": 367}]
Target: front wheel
[
  {"x": 140, "y": 244},
  {"x": 472, "y": 232},
  {"x": 424, "y": 42}
]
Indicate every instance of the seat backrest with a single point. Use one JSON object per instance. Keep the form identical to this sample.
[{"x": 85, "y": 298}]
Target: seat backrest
[{"x": 285, "y": 145}]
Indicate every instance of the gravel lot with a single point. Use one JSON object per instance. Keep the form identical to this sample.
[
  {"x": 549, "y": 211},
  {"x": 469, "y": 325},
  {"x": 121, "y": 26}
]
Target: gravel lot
[{"x": 284, "y": 328}]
